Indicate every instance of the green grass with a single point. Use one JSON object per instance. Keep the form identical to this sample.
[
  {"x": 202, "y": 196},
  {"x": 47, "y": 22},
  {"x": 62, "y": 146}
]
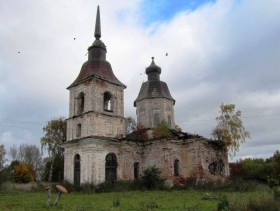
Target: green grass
[
  {"x": 32, "y": 197},
  {"x": 152, "y": 200},
  {"x": 135, "y": 200}
]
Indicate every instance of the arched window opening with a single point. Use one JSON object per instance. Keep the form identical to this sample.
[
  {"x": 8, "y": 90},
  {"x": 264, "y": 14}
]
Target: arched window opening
[
  {"x": 176, "y": 168},
  {"x": 136, "y": 170},
  {"x": 111, "y": 168},
  {"x": 81, "y": 103},
  {"x": 79, "y": 130},
  {"x": 108, "y": 104},
  {"x": 77, "y": 170}
]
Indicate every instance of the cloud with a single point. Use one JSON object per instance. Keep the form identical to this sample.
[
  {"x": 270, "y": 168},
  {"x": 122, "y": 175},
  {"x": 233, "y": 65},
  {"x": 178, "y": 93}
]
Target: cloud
[{"x": 223, "y": 51}]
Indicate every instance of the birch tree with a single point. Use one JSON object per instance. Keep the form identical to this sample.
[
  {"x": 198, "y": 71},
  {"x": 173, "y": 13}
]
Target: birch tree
[{"x": 230, "y": 128}]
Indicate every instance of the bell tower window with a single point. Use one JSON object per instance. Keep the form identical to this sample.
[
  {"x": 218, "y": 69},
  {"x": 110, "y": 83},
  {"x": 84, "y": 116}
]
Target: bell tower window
[
  {"x": 108, "y": 103},
  {"x": 81, "y": 103},
  {"x": 79, "y": 130}
]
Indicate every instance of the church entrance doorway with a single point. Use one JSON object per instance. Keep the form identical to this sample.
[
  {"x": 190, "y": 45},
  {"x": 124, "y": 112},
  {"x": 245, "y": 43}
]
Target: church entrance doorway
[{"x": 111, "y": 168}]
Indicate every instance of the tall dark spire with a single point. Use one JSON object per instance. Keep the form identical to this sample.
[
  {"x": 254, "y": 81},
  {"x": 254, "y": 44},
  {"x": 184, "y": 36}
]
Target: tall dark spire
[{"x": 97, "y": 32}]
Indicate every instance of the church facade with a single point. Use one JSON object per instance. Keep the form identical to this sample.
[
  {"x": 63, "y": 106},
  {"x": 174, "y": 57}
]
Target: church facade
[{"x": 97, "y": 149}]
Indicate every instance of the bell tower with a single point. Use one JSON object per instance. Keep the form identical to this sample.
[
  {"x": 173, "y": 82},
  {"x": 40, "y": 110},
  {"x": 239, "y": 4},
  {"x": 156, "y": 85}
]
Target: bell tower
[
  {"x": 154, "y": 102},
  {"x": 96, "y": 105}
]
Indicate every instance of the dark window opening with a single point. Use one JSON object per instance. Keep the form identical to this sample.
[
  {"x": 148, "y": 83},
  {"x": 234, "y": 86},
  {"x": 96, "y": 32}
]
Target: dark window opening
[
  {"x": 81, "y": 103},
  {"x": 111, "y": 168},
  {"x": 79, "y": 130},
  {"x": 108, "y": 103},
  {"x": 77, "y": 170},
  {"x": 136, "y": 170},
  {"x": 176, "y": 168},
  {"x": 217, "y": 167}
]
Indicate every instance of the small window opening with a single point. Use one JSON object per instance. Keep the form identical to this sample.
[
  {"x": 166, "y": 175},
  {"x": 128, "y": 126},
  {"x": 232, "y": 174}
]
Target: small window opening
[
  {"x": 176, "y": 168},
  {"x": 136, "y": 170},
  {"x": 79, "y": 130}
]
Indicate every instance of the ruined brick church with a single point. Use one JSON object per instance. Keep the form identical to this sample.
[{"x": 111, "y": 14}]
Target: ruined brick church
[{"x": 97, "y": 149}]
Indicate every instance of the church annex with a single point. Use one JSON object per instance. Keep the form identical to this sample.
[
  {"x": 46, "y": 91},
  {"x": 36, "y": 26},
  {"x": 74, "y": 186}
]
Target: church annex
[{"x": 97, "y": 149}]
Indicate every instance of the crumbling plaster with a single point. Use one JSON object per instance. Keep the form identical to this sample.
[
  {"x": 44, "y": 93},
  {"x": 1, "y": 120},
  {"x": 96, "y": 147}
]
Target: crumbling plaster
[{"x": 194, "y": 156}]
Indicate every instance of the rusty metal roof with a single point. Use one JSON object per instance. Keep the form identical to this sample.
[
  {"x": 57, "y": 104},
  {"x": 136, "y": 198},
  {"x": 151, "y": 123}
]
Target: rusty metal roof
[
  {"x": 154, "y": 87},
  {"x": 97, "y": 69},
  {"x": 97, "y": 66}
]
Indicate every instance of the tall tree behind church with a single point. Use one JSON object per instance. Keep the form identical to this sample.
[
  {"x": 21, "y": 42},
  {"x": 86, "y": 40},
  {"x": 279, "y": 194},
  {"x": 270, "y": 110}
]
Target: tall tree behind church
[
  {"x": 55, "y": 136},
  {"x": 230, "y": 128}
]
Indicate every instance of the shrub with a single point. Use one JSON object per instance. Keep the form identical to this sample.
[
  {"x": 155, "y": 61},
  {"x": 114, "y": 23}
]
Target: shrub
[
  {"x": 23, "y": 173},
  {"x": 139, "y": 134},
  {"x": 275, "y": 185},
  {"x": 223, "y": 204},
  {"x": 162, "y": 131},
  {"x": 151, "y": 178}
]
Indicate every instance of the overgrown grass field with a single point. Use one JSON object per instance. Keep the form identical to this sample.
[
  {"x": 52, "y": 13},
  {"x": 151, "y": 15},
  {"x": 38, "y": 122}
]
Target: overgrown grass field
[
  {"x": 152, "y": 200},
  {"x": 188, "y": 199}
]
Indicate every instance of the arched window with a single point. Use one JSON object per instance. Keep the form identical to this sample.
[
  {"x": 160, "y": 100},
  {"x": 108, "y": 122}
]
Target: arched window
[
  {"x": 111, "y": 168},
  {"x": 81, "y": 103},
  {"x": 77, "y": 170},
  {"x": 79, "y": 130},
  {"x": 176, "y": 168},
  {"x": 136, "y": 170},
  {"x": 108, "y": 103}
]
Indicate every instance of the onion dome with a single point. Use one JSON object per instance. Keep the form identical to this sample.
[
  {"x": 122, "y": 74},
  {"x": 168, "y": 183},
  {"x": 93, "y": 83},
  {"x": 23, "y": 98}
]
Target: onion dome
[{"x": 154, "y": 87}]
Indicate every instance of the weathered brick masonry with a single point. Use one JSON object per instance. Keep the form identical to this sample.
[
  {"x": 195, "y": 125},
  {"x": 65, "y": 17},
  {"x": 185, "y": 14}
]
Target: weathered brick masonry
[{"x": 97, "y": 150}]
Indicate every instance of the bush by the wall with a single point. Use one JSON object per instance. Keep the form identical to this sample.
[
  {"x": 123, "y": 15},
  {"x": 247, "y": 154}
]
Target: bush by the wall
[{"x": 151, "y": 178}]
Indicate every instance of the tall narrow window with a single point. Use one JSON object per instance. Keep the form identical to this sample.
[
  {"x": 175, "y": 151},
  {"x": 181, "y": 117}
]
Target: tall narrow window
[
  {"x": 111, "y": 168},
  {"x": 79, "y": 130},
  {"x": 81, "y": 103},
  {"x": 136, "y": 170},
  {"x": 169, "y": 121},
  {"x": 176, "y": 168},
  {"x": 77, "y": 169},
  {"x": 108, "y": 104},
  {"x": 156, "y": 120}
]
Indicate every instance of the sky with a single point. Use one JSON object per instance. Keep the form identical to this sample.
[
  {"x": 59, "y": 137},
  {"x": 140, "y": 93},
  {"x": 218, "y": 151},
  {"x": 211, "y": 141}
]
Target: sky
[{"x": 223, "y": 51}]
